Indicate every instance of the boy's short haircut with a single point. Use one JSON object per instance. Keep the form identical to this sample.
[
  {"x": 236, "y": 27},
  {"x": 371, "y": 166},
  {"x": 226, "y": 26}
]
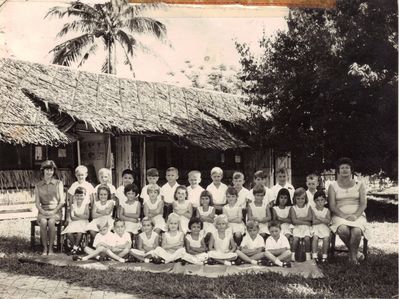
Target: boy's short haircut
[
  {"x": 274, "y": 223},
  {"x": 81, "y": 169},
  {"x": 251, "y": 224},
  {"x": 80, "y": 190},
  {"x": 173, "y": 169},
  {"x": 119, "y": 220},
  {"x": 312, "y": 177},
  {"x": 153, "y": 187},
  {"x": 131, "y": 187},
  {"x": 238, "y": 175},
  {"x": 104, "y": 170},
  {"x": 128, "y": 171},
  {"x": 147, "y": 219},
  {"x": 231, "y": 191},
  {"x": 260, "y": 174},
  {"x": 207, "y": 194},
  {"x": 102, "y": 224},
  {"x": 216, "y": 170},
  {"x": 259, "y": 190},
  {"x": 320, "y": 193},
  {"x": 220, "y": 218},
  {"x": 152, "y": 172},
  {"x": 282, "y": 170},
  {"x": 194, "y": 173},
  {"x": 298, "y": 192},
  {"x": 195, "y": 220}
]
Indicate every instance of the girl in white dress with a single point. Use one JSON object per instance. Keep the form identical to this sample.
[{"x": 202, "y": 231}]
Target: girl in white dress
[
  {"x": 321, "y": 220},
  {"x": 301, "y": 217},
  {"x": 221, "y": 245},
  {"x": 195, "y": 243},
  {"x": 153, "y": 208},
  {"x": 206, "y": 212},
  {"x": 234, "y": 214},
  {"x": 182, "y": 207},
  {"x": 102, "y": 211},
  {"x": 172, "y": 247},
  {"x": 130, "y": 210},
  {"x": 259, "y": 211},
  {"x": 78, "y": 219},
  {"x": 281, "y": 212},
  {"x": 147, "y": 241}
]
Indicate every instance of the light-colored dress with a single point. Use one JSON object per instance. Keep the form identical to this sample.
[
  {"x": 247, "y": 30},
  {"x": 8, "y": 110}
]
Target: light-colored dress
[
  {"x": 348, "y": 201},
  {"x": 320, "y": 230},
  {"x": 77, "y": 226},
  {"x": 234, "y": 212},
  {"x": 198, "y": 258},
  {"x": 301, "y": 230},
  {"x": 181, "y": 208},
  {"x": 286, "y": 228},
  {"x": 148, "y": 242},
  {"x": 170, "y": 255},
  {"x": 208, "y": 226},
  {"x": 102, "y": 219},
  {"x": 157, "y": 220},
  {"x": 131, "y": 208},
  {"x": 260, "y": 212},
  {"x": 222, "y": 247}
]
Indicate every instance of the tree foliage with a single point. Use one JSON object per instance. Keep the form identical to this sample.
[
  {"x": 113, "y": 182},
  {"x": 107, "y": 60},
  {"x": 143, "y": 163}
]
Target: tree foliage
[
  {"x": 112, "y": 24},
  {"x": 328, "y": 86}
]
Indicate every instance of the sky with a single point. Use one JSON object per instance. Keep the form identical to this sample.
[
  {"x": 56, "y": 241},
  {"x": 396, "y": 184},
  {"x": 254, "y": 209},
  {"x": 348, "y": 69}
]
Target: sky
[{"x": 194, "y": 32}]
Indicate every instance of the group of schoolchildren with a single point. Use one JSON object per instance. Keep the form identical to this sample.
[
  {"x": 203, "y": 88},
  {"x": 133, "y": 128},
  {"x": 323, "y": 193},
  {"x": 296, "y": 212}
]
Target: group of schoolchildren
[{"x": 220, "y": 224}]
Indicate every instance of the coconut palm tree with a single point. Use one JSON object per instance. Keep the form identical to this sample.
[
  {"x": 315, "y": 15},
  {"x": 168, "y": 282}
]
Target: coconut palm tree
[{"x": 113, "y": 24}]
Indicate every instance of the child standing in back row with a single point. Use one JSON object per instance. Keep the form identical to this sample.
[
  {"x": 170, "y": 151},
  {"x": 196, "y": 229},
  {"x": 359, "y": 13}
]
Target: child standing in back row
[
  {"x": 127, "y": 178},
  {"x": 194, "y": 190},
  {"x": 218, "y": 190},
  {"x": 152, "y": 179},
  {"x": 282, "y": 182},
  {"x": 81, "y": 174},
  {"x": 311, "y": 182},
  {"x": 104, "y": 176},
  {"x": 168, "y": 190},
  {"x": 261, "y": 179}
]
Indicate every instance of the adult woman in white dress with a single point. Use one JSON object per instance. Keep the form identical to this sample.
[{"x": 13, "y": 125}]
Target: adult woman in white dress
[{"x": 347, "y": 201}]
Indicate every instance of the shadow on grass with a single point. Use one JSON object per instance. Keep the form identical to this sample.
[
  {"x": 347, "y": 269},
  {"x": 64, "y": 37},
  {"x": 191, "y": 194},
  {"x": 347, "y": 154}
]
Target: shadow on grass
[{"x": 380, "y": 211}]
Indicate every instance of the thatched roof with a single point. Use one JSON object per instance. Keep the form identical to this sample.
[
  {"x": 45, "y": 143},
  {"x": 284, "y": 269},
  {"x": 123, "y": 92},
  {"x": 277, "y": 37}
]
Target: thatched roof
[{"x": 107, "y": 102}]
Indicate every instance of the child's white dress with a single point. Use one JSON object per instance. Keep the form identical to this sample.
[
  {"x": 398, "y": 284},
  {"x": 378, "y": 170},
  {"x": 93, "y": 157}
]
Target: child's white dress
[
  {"x": 179, "y": 209},
  {"x": 234, "y": 212},
  {"x": 286, "y": 228},
  {"x": 77, "y": 226},
  {"x": 131, "y": 227},
  {"x": 222, "y": 247},
  {"x": 301, "y": 230},
  {"x": 157, "y": 220},
  {"x": 170, "y": 255},
  {"x": 198, "y": 258},
  {"x": 320, "y": 230},
  {"x": 260, "y": 212},
  {"x": 102, "y": 219},
  {"x": 208, "y": 226},
  {"x": 149, "y": 242}
]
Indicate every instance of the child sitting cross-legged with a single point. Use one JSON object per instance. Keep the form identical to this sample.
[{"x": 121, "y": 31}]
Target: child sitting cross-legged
[
  {"x": 252, "y": 245},
  {"x": 172, "y": 247},
  {"x": 277, "y": 248},
  {"x": 147, "y": 241},
  {"x": 221, "y": 244},
  {"x": 195, "y": 243}
]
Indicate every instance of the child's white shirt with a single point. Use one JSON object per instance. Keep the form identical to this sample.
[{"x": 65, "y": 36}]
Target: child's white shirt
[
  {"x": 194, "y": 195},
  {"x": 218, "y": 193},
  {"x": 276, "y": 188},
  {"x": 168, "y": 192},
  {"x": 267, "y": 198},
  {"x": 108, "y": 239},
  {"x": 88, "y": 187},
  {"x": 310, "y": 199},
  {"x": 122, "y": 240},
  {"x": 281, "y": 243},
  {"x": 252, "y": 244},
  {"x": 242, "y": 197},
  {"x": 120, "y": 194}
]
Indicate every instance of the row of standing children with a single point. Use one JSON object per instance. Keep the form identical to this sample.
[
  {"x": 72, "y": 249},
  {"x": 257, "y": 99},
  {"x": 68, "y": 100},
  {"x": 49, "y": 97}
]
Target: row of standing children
[{"x": 260, "y": 204}]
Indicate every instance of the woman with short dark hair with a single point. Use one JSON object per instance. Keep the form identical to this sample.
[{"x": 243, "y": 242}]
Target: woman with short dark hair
[
  {"x": 49, "y": 197},
  {"x": 347, "y": 201}
]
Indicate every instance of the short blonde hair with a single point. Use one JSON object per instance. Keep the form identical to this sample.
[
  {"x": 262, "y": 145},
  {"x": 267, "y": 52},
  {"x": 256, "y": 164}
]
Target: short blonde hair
[
  {"x": 171, "y": 217},
  {"x": 81, "y": 169},
  {"x": 104, "y": 170},
  {"x": 147, "y": 219},
  {"x": 216, "y": 170},
  {"x": 194, "y": 173},
  {"x": 220, "y": 218},
  {"x": 153, "y": 187}
]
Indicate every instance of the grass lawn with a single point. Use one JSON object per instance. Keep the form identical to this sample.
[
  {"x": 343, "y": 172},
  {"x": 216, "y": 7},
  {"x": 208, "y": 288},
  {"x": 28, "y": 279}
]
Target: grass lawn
[{"x": 378, "y": 277}]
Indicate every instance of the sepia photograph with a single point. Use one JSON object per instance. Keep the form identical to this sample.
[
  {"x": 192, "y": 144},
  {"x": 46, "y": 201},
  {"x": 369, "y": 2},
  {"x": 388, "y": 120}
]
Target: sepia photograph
[{"x": 198, "y": 149}]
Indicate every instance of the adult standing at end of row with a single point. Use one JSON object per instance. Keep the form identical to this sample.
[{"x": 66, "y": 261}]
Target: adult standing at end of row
[
  {"x": 49, "y": 197},
  {"x": 347, "y": 200}
]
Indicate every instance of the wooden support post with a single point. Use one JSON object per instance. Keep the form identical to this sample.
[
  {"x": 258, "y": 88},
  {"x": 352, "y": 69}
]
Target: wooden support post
[
  {"x": 78, "y": 152},
  {"x": 143, "y": 161}
]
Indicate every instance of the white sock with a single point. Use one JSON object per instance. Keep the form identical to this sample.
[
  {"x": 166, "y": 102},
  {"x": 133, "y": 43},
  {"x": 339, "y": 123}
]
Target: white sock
[
  {"x": 324, "y": 255},
  {"x": 227, "y": 263},
  {"x": 122, "y": 260},
  {"x": 293, "y": 257},
  {"x": 278, "y": 262},
  {"x": 147, "y": 260},
  {"x": 308, "y": 256},
  {"x": 314, "y": 255},
  {"x": 253, "y": 262}
]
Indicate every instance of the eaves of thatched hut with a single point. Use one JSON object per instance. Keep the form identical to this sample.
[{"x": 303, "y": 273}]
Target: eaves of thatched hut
[{"x": 100, "y": 120}]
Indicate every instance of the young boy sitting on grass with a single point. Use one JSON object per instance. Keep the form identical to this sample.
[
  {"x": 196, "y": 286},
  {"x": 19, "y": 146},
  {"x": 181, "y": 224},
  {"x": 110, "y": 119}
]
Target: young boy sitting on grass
[
  {"x": 277, "y": 248},
  {"x": 252, "y": 245}
]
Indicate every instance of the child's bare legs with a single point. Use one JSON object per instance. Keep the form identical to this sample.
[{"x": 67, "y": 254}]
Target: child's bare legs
[
  {"x": 326, "y": 245},
  {"x": 43, "y": 234},
  {"x": 117, "y": 256},
  {"x": 78, "y": 239},
  {"x": 237, "y": 236},
  {"x": 295, "y": 242},
  {"x": 251, "y": 259},
  {"x": 315, "y": 246},
  {"x": 92, "y": 235},
  {"x": 307, "y": 247},
  {"x": 93, "y": 252},
  {"x": 278, "y": 256}
]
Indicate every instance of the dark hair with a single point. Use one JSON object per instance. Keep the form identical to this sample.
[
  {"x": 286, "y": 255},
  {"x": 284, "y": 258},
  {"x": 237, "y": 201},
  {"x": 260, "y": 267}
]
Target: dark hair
[
  {"x": 259, "y": 190},
  {"x": 128, "y": 171},
  {"x": 231, "y": 191},
  {"x": 181, "y": 187},
  {"x": 131, "y": 187},
  {"x": 80, "y": 190},
  {"x": 119, "y": 220},
  {"x": 343, "y": 161},
  {"x": 282, "y": 170},
  {"x": 195, "y": 220},
  {"x": 261, "y": 174},
  {"x": 207, "y": 194},
  {"x": 274, "y": 223},
  {"x": 103, "y": 188},
  {"x": 283, "y": 191},
  {"x": 320, "y": 193},
  {"x": 48, "y": 164},
  {"x": 299, "y": 192},
  {"x": 152, "y": 172}
]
